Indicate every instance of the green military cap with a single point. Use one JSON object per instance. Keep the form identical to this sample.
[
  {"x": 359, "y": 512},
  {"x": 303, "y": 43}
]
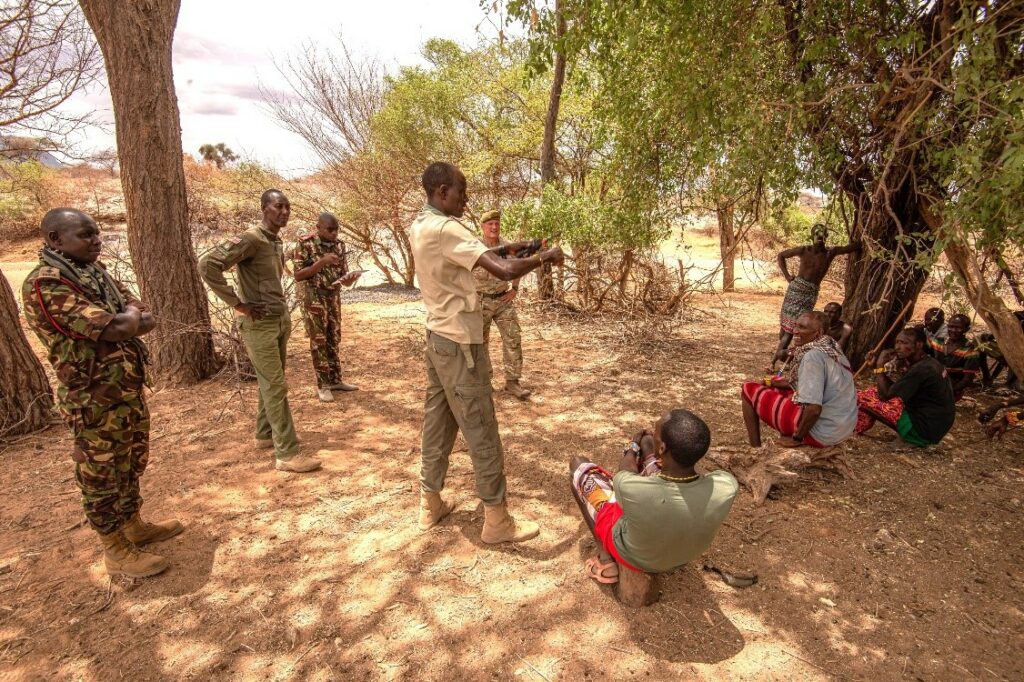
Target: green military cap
[{"x": 489, "y": 216}]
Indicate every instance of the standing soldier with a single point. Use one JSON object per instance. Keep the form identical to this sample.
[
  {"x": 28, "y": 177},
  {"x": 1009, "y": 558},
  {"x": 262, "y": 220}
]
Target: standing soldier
[
  {"x": 261, "y": 314},
  {"x": 319, "y": 263},
  {"x": 496, "y": 304},
  {"x": 90, "y": 325},
  {"x": 458, "y": 366}
]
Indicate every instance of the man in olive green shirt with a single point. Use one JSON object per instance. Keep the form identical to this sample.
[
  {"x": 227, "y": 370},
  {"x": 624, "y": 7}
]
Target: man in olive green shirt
[
  {"x": 657, "y": 513},
  {"x": 457, "y": 363},
  {"x": 261, "y": 314}
]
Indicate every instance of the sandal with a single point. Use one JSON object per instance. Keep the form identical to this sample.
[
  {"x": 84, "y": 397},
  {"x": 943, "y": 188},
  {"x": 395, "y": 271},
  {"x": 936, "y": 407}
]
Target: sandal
[{"x": 595, "y": 570}]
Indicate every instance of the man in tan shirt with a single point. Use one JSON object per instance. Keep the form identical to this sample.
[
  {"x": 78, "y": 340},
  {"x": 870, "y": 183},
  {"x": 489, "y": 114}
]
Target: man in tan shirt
[{"x": 457, "y": 362}]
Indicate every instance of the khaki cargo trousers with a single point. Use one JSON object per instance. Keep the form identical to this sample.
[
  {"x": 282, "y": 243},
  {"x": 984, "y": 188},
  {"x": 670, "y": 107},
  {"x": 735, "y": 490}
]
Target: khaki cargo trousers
[
  {"x": 266, "y": 343},
  {"x": 459, "y": 398}
]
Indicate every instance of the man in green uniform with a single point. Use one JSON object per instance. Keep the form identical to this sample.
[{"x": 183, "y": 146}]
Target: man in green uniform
[
  {"x": 497, "y": 305},
  {"x": 90, "y": 325},
  {"x": 457, "y": 362},
  {"x": 261, "y": 314},
  {"x": 319, "y": 264}
]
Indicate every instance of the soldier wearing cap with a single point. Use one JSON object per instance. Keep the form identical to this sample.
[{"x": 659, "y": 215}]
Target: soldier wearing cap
[
  {"x": 262, "y": 317},
  {"x": 90, "y": 325},
  {"x": 497, "y": 303},
  {"x": 457, "y": 363},
  {"x": 321, "y": 268}
]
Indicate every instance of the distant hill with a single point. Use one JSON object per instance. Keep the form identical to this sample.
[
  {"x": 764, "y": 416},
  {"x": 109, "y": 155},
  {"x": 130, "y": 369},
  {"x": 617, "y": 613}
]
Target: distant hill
[{"x": 26, "y": 149}]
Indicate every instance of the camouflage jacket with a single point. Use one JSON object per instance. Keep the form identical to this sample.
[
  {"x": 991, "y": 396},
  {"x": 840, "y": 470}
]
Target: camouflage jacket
[
  {"x": 309, "y": 250},
  {"x": 486, "y": 283},
  {"x": 69, "y": 321}
]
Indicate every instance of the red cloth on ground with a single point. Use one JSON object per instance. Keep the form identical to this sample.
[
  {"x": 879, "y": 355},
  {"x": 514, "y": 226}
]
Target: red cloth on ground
[
  {"x": 776, "y": 409},
  {"x": 607, "y": 516}
]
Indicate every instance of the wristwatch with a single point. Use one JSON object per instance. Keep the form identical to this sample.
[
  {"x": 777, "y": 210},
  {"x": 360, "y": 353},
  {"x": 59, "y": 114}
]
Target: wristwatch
[
  {"x": 633, "y": 448},
  {"x": 879, "y": 370}
]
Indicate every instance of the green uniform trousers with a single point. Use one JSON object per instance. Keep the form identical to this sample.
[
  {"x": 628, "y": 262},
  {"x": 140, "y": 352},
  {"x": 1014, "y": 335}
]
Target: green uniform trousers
[
  {"x": 459, "y": 398},
  {"x": 322, "y": 316},
  {"x": 111, "y": 452},
  {"x": 503, "y": 314},
  {"x": 266, "y": 342}
]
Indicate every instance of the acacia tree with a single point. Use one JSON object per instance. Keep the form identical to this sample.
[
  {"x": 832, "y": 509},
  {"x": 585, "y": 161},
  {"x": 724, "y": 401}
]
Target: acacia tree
[
  {"x": 135, "y": 38},
  {"x": 46, "y": 55},
  {"x": 898, "y": 106},
  {"x": 220, "y": 154}
]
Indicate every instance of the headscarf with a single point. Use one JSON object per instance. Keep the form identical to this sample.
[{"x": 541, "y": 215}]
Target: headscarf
[
  {"x": 90, "y": 277},
  {"x": 827, "y": 345}
]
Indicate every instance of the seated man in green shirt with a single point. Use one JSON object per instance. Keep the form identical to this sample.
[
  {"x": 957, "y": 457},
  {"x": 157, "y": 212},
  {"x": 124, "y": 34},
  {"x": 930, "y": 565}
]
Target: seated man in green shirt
[{"x": 657, "y": 513}]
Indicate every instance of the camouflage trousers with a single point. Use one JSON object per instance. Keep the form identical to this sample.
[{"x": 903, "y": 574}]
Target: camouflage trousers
[
  {"x": 503, "y": 315},
  {"x": 322, "y": 316},
  {"x": 110, "y": 453}
]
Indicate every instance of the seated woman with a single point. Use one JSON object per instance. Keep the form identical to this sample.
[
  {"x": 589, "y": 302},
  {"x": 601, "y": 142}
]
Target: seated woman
[
  {"x": 657, "y": 513},
  {"x": 814, "y": 401},
  {"x": 958, "y": 354},
  {"x": 912, "y": 393}
]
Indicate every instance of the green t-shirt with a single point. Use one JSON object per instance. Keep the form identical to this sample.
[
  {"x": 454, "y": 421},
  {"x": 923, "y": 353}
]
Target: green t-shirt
[{"x": 664, "y": 524}]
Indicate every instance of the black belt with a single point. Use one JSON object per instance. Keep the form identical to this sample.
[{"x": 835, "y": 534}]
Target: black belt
[{"x": 500, "y": 293}]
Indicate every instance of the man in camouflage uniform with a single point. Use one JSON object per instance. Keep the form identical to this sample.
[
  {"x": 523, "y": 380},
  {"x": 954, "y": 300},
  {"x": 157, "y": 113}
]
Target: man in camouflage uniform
[
  {"x": 497, "y": 305},
  {"x": 264, "y": 323},
  {"x": 90, "y": 325},
  {"x": 320, "y": 266}
]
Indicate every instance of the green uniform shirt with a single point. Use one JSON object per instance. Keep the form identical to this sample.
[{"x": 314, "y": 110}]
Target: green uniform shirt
[
  {"x": 69, "y": 321},
  {"x": 259, "y": 256},
  {"x": 665, "y": 524}
]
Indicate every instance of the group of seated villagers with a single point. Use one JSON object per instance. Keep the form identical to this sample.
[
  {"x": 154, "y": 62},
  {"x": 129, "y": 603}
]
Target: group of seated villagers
[
  {"x": 813, "y": 400},
  {"x": 657, "y": 513}
]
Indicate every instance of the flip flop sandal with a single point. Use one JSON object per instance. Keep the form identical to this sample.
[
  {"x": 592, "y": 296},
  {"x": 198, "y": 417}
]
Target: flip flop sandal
[{"x": 595, "y": 570}]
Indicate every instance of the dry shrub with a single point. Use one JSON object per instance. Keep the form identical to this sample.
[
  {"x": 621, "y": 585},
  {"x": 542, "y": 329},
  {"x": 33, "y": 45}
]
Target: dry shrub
[
  {"x": 225, "y": 199},
  {"x": 629, "y": 284},
  {"x": 27, "y": 190}
]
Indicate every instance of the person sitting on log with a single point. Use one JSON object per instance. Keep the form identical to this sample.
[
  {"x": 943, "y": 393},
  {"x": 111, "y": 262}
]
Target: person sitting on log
[
  {"x": 657, "y": 513},
  {"x": 813, "y": 401},
  {"x": 988, "y": 348},
  {"x": 912, "y": 393},
  {"x": 935, "y": 325},
  {"x": 959, "y": 355},
  {"x": 838, "y": 328}
]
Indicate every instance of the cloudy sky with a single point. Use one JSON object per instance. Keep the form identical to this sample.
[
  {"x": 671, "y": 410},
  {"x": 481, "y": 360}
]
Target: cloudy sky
[{"x": 224, "y": 49}]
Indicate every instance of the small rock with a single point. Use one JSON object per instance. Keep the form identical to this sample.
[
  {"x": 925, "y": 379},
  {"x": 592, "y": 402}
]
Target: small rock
[
  {"x": 827, "y": 602},
  {"x": 883, "y": 540}
]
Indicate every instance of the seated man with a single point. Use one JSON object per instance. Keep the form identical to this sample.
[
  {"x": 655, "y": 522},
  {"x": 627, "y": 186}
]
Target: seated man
[
  {"x": 935, "y": 325},
  {"x": 958, "y": 355},
  {"x": 838, "y": 329},
  {"x": 657, "y": 513},
  {"x": 813, "y": 401},
  {"x": 912, "y": 393},
  {"x": 988, "y": 348}
]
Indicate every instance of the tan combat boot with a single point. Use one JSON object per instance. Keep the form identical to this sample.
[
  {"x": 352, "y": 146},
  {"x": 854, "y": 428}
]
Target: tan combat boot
[
  {"x": 121, "y": 557},
  {"x": 139, "y": 532},
  {"x": 342, "y": 386},
  {"x": 499, "y": 526},
  {"x": 513, "y": 387},
  {"x": 325, "y": 395},
  {"x": 433, "y": 509},
  {"x": 298, "y": 464}
]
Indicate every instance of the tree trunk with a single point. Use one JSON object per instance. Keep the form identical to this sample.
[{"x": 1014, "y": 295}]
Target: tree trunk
[
  {"x": 25, "y": 397},
  {"x": 135, "y": 38},
  {"x": 1011, "y": 279},
  {"x": 545, "y": 284},
  {"x": 726, "y": 214},
  {"x": 878, "y": 291}
]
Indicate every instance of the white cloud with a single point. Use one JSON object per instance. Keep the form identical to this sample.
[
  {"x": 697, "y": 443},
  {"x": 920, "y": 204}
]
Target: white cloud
[{"x": 224, "y": 51}]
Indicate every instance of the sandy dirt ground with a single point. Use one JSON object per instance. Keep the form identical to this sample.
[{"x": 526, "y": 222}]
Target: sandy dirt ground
[{"x": 326, "y": 577}]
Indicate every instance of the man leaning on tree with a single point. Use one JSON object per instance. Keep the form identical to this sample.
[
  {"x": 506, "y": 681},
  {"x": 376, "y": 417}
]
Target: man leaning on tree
[{"x": 457, "y": 363}]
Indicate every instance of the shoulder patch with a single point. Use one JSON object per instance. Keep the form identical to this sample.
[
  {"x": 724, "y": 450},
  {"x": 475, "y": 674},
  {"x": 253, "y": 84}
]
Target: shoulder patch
[{"x": 48, "y": 272}]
